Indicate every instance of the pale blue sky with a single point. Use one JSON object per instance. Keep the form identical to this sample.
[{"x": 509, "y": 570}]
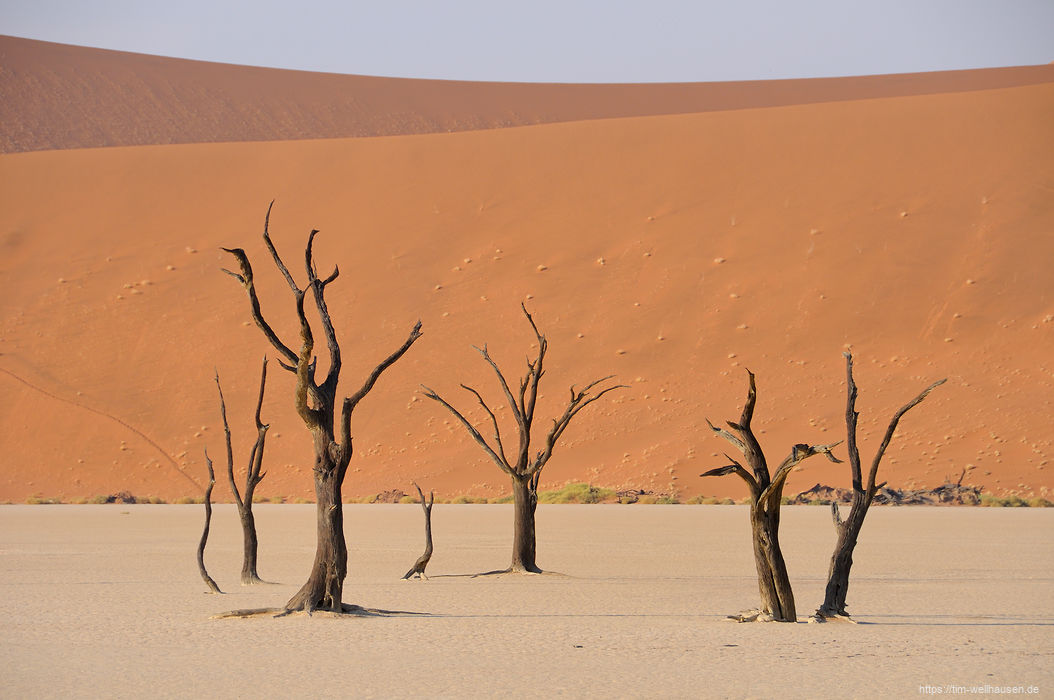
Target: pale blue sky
[{"x": 551, "y": 41}]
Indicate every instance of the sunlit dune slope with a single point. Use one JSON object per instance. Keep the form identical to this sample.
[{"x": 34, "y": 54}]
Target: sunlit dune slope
[
  {"x": 55, "y": 96},
  {"x": 673, "y": 251}
]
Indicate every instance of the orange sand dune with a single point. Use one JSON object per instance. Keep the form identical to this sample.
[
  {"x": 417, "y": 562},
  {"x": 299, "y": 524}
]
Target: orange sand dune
[
  {"x": 672, "y": 250},
  {"x": 55, "y": 96}
]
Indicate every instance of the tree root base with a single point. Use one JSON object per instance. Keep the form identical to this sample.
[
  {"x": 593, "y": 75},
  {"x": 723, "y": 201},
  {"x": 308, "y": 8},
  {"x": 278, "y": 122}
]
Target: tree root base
[
  {"x": 753, "y": 616},
  {"x": 820, "y": 617},
  {"x": 519, "y": 572},
  {"x": 347, "y": 610}
]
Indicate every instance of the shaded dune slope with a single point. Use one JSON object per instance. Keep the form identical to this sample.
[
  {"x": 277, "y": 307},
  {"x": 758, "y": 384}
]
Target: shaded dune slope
[
  {"x": 55, "y": 96},
  {"x": 672, "y": 250}
]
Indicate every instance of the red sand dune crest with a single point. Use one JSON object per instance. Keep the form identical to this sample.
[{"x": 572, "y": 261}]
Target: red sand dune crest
[
  {"x": 674, "y": 251},
  {"x": 55, "y": 96}
]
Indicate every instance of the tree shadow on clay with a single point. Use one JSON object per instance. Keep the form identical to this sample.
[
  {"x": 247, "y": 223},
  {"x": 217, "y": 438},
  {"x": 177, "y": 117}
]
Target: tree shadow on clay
[{"x": 346, "y": 611}]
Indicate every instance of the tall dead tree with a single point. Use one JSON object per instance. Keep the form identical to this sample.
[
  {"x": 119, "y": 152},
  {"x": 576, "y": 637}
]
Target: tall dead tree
[
  {"x": 524, "y": 470},
  {"x": 766, "y": 493},
  {"x": 205, "y": 532},
  {"x": 253, "y": 476},
  {"x": 418, "y": 569},
  {"x": 849, "y": 529},
  {"x": 316, "y": 403}
]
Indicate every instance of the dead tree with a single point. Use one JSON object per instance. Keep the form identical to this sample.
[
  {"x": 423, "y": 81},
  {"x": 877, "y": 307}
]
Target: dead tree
[
  {"x": 862, "y": 496},
  {"x": 422, "y": 561},
  {"x": 766, "y": 493},
  {"x": 253, "y": 476},
  {"x": 523, "y": 469},
  {"x": 205, "y": 533},
  {"x": 316, "y": 403}
]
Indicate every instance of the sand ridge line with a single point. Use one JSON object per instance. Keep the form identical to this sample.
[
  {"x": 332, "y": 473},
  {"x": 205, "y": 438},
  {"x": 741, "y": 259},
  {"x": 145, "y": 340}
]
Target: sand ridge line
[{"x": 104, "y": 414}]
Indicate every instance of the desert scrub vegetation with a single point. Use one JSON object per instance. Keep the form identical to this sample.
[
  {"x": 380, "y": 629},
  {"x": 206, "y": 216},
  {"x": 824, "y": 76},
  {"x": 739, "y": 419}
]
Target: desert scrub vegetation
[
  {"x": 990, "y": 501},
  {"x": 659, "y": 500},
  {"x": 710, "y": 501},
  {"x": 90, "y": 500},
  {"x": 577, "y": 493},
  {"x": 39, "y": 500},
  {"x": 571, "y": 493},
  {"x": 479, "y": 500},
  {"x": 123, "y": 498}
]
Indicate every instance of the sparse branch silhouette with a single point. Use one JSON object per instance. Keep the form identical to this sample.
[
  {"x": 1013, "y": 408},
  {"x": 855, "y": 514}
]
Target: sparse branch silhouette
[
  {"x": 863, "y": 494},
  {"x": 523, "y": 468}
]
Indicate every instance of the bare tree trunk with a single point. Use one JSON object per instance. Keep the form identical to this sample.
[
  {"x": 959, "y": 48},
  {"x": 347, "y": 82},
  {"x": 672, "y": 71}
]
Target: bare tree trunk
[
  {"x": 524, "y": 543},
  {"x": 777, "y": 598},
  {"x": 863, "y": 494},
  {"x": 422, "y": 561},
  {"x": 205, "y": 533},
  {"x": 250, "y": 547},
  {"x": 324, "y": 588},
  {"x": 842, "y": 559}
]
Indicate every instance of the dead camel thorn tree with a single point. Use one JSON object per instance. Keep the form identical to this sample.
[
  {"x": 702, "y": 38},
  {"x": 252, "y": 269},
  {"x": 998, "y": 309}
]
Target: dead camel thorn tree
[
  {"x": 253, "y": 476},
  {"x": 316, "y": 403},
  {"x": 524, "y": 470},
  {"x": 833, "y": 606},
  {"x": 213, "y": 588},
  {"x": 418, "y": 568},
  {"x": 766, "y": 493}
]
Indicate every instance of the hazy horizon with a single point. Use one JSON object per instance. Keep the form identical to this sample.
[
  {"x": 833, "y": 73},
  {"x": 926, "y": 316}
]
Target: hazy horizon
[{"x": 585, "y": 42}]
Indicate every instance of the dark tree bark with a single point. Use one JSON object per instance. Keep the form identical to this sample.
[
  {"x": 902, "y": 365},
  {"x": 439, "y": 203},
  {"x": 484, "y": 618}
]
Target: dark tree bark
[
  {"x": 766, "y": 493},
  {"x": 316, "y": 403},
  {"x": 418, "y": 568},
  {"x": 253, "y": 476},
  {"x": 524, "y": 470},
  {"x": 863, "y": 494},
  {"x": 205, "y": 533}
]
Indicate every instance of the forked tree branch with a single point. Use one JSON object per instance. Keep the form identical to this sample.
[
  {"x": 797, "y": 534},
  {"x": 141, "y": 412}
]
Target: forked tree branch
[
  {"x": 277, "y": 258},
  {"x": 521, "y": 423},
  {"x": 735, "y": 468},
  {"x": 892, "y": 429},
  {"x": 480, "y": 440},
  {"x": 728, "y": 436},
  {"x": 227, "y": 437},
  {"x": 523, "y": 408},
  {"x": 246, "y": 280},
  {"x": 764, "y": 488},
  {"x": 318, "y": 288},
  {"x": 254, "y": 474},
  {"x": 745, "y": 441},
  {"x": 799, "y": 453},
  {"x": 494, "y": 422},
  {"x": 534, "y": 373},
  {"x": 302, "y": 363},
  {"x": 754, "y": 454},
  {"x": 851, "y": 416},
  {"x": 577, "y": 402},
  {"x": 352, "y": 401}
]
